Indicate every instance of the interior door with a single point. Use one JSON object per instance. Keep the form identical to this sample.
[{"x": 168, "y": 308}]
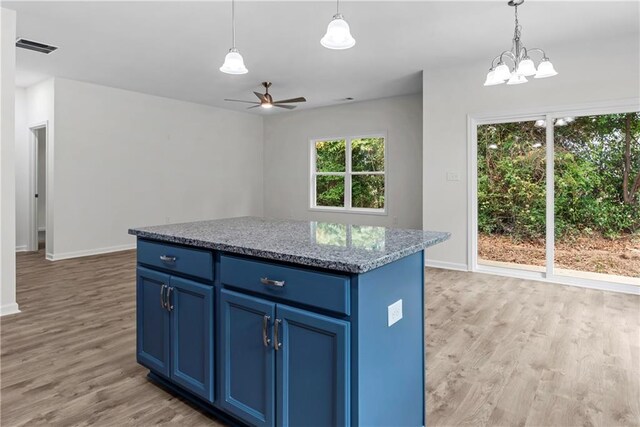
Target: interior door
[
  {"x": 313, "y": 365},
  {"x": 191, "y": 307},
  {"x": 247, "y": 365},
  {"x": 153, "y": 340}
]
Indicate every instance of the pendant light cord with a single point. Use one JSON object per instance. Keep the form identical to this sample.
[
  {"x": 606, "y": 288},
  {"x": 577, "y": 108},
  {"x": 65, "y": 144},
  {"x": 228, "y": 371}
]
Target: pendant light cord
[
  {"x": 233, "y": 23},
  {"x": 337, "y": 7}
]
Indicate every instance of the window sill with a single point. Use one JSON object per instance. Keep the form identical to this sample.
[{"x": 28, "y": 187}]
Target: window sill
[{"x": 361, "y": 211}]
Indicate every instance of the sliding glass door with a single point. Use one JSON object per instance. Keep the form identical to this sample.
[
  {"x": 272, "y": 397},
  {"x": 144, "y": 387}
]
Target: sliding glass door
[
  {"x": 558, "y": 196},
  {"x": 511, "y": 195},
  {"x": 597, "y": 196}
]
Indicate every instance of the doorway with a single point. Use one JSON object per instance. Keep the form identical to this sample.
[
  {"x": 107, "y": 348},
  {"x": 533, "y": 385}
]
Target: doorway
[
  {"x": 38, "y": 223},
  {"x": 556, "y": 196}
]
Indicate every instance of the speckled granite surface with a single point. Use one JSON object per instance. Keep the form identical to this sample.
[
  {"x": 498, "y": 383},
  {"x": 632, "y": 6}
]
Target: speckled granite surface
[{"x": 349, "y": 248}]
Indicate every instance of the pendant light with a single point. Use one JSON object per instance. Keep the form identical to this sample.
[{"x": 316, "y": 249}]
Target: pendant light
[
  {"x": 523, "y": 65},
  {"x": 338, "y": 34},
  {"x": 233, "y": 62}
]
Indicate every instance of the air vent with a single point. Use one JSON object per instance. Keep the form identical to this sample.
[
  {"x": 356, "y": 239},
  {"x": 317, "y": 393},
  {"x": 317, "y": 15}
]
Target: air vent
[{"x": 31, "y": 45}]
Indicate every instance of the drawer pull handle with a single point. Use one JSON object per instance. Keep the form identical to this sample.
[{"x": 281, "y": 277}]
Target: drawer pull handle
[
  {"x": 265, "y": 324},
  {"x": 276, "y": 344},
  {"x": 266, "y": 281},
  {"x": 168, "y": 259}
]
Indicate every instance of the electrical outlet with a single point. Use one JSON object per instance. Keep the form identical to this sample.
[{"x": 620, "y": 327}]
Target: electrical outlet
[{"x": 394, "y": 312}]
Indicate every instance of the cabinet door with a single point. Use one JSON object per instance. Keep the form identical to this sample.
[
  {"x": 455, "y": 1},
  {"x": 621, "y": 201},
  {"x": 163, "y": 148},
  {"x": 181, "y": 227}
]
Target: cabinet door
[
  {"x": 313, "y": 383},
  {"x": 152, "y": 329},
  {"x": 247, "y": 368},
  {"x": 191, "y": 307}
]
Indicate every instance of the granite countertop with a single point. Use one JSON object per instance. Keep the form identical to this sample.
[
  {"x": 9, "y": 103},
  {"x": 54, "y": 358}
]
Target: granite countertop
[{"x": 342, "y": 247}]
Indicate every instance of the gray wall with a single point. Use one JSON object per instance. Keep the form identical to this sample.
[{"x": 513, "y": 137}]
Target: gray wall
[{"x": 286, "y": 158}]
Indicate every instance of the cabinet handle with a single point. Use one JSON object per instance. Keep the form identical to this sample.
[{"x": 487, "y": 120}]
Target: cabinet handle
[
  {"x": 266, "y": 281},
  {"x": 163, "y": 303},
  {"x": 265, "y": 323},
  {"x": 168, "y": 259},
  {"x": 169, "y": 305},
  {"x": 276, "y": 344}
]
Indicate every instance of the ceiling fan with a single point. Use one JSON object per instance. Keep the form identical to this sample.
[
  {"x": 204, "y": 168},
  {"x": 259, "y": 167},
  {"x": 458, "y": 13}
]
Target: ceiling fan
[{"x": 266, "y": 101}]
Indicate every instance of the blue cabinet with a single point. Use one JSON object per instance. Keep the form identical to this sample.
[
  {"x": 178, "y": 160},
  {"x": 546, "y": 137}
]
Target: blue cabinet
[
  {"x": 175, "y": 330},
  {"x": 275, "y": 353},
  {"x": 152, "y": 343},
  {"x": 191, "y": 308},
  {"x": 247, "y": 363},
  {"x": 267, "y": 343}
]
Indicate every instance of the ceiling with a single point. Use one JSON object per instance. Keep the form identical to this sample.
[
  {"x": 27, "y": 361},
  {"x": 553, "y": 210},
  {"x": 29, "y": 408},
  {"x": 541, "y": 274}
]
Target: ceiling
[{"x": 174, "y": 49}]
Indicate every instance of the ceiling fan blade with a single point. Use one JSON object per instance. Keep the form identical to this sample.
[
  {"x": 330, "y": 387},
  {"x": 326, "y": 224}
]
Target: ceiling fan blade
[
  {"x": 255, "y": 106},
  {"x": 286, "y": 101},
  {"x": 261, "y": 97},
  {"x": 288, "y": 107},
  {"x": 240, "y": 100}
]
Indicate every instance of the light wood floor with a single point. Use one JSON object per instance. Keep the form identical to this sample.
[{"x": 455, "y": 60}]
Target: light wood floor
[{"x": 499, "y": 351}]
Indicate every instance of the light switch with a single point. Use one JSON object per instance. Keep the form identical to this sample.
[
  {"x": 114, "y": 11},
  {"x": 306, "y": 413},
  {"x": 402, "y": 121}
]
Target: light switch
[
  {"x": 395, "y": 312},
  {"x": 453, "y": 176}
]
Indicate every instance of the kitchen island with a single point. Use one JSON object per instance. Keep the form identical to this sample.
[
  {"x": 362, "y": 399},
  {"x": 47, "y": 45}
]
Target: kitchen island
[{"x": 292, "y": 323}]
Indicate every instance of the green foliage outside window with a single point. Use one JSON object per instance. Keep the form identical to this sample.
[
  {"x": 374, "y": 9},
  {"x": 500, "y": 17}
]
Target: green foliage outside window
[
  {"x": 597, "y": 177},
  {"x": 367, "y": 155}
]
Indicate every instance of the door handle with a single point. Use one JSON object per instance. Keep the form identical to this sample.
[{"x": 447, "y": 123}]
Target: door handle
[
  {"x": 169, "y": 305},
  {"x": 265, "y": 324},
  {"x": 276, "y": 344},
  {"x": 163, "y": 303},
  {"x": 267, "y": 281}
]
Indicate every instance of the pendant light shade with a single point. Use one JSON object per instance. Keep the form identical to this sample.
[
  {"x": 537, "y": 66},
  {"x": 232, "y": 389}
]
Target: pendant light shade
[
  {"x": 492, "y": 80},
  {"x": 502, "y": 72},
  {"x": 338, "y": 34},
  {"x": 526, "y": 67},
  {"x": 233, "y": 63},
  {"x": 517, "y": 79},
  {"x": 545, "y": 69}
]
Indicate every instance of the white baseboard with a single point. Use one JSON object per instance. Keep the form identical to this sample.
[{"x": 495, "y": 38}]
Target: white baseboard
[
  {"x": 21, "y": 248},
  {"x": 89, "y": 252},
  {"x": 446, "y": 265},
  {"x": 8, "y": 309}
]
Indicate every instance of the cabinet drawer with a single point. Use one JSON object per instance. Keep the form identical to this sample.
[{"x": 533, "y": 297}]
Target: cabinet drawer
[
  {"x": 192, "y": 262},
  {"x": 322, "y": 290}
]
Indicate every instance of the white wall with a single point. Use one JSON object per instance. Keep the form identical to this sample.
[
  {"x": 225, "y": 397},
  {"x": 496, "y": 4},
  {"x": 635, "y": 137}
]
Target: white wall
[
  {"x": 22, "y": 171},
  {"x": 8, "y": 303},
  {"x": 286, "y": 157},
  {"x": 124, "y": 159},
  {"x": 588, "y": 73}
]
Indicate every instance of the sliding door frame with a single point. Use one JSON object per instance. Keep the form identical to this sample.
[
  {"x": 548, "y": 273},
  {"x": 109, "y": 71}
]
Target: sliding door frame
[{"x": 549, "y": 114}]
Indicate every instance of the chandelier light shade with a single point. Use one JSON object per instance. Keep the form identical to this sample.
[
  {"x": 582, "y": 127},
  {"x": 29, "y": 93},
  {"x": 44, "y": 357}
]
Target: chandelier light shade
[
  {"x": 338, "y": 35},
  {"x": 233, "y": 61},
  {"x": 514, "y": 66}
]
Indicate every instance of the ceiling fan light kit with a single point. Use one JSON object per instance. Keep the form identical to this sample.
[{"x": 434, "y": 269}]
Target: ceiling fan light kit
[
  {"x": 523, "y": 66},
  {"x": 338, "y": 35},
  {"x": 233, "y": 61}
]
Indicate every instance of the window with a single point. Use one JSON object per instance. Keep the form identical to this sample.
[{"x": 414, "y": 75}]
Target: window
[{"x": 348, "y": 174}]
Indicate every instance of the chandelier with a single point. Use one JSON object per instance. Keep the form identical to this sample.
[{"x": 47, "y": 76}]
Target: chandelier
[{"x": 518, "y": 65}]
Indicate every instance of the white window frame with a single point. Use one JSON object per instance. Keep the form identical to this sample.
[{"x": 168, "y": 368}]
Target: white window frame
[
  {"x": 347, "y": 174},
  {"x": 548, "y": 114}
]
